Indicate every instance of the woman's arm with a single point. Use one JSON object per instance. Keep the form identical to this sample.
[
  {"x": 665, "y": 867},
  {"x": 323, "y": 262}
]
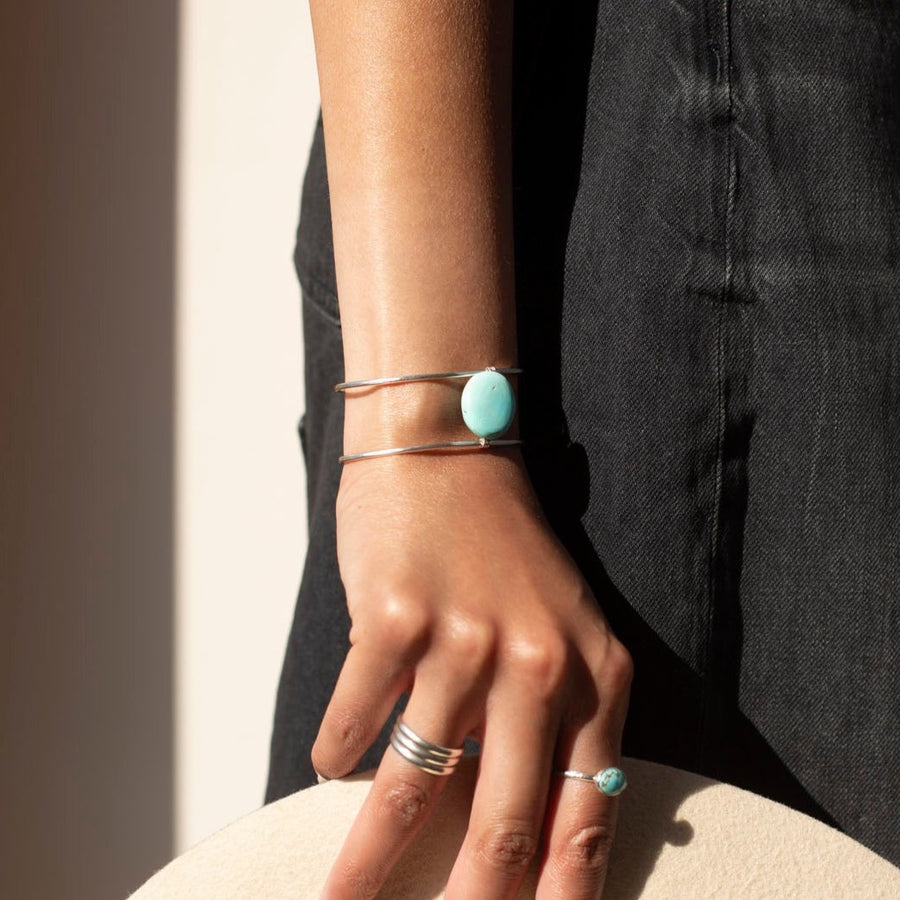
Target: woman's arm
[
  {"x": 416, "y": 111},
  {"x": 458, "y": 591}
]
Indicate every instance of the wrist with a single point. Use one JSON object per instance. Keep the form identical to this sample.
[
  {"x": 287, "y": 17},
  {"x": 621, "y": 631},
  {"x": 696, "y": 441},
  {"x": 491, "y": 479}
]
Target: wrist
[
  {"x": 402, "y": 414},
  {"x": 448, "y": 478}
]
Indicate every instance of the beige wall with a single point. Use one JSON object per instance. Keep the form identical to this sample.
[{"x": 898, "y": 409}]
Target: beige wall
[
  {"x": 248, "y": 101},
  {"x": 151, "y": 520}
]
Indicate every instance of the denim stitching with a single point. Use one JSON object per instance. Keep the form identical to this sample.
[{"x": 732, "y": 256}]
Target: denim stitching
[
  {"x": 311, "y": 286},
  {"x": 723, "y": 68}
]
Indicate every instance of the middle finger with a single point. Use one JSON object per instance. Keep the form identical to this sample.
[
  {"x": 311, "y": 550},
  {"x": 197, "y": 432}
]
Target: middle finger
[{"x": 510, "y": 795}]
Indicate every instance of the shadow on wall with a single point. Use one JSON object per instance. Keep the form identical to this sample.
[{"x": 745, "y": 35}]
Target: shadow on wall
[{"x": 86, "y": 491}]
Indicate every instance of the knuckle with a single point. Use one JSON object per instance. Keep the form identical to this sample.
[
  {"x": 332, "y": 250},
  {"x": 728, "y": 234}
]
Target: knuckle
[
  {"x": 350, "y": 731},
  {"x": 471, "y": 643},
  {"x": 343, "y": 738},
  {"x": 620, "y": 668},
  {"x": 507, "y": 848},
  {"x": 399, "y": 620},
  {"x": 541, "y": 664},
  {"x": 406, "y": 803},
  {"x": 588, "y": 848},
  {"x": 360, "y": 882}
]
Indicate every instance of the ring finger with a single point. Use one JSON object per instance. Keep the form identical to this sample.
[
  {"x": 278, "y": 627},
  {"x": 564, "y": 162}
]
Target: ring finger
[{"x": 581, "y": 819}]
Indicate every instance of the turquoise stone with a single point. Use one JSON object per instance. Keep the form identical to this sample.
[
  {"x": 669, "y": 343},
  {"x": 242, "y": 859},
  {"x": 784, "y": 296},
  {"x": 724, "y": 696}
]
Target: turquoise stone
[
  {"x": 488, "y": 404},
  {"x": 611, "y": 781}
]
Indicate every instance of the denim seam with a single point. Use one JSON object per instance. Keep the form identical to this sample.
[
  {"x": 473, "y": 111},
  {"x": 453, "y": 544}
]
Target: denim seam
[
  {"x": 712, "y": 586},
  {"x": 312, "y": 285}
]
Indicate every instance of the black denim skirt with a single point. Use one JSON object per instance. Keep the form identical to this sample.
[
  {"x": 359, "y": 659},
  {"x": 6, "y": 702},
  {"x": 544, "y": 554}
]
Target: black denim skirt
[{"x": 707, "y": 214}]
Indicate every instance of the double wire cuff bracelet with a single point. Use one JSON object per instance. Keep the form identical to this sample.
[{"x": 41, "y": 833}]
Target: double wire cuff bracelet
[{"x": 488, "y": 406}]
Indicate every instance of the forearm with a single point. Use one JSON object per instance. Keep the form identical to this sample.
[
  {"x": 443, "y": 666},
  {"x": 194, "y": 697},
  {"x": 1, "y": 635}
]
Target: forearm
[{"x": 416, "y": 110}]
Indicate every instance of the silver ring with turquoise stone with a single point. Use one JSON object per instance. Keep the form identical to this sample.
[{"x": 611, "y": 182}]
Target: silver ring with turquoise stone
[{"x": 610, "y": 781}]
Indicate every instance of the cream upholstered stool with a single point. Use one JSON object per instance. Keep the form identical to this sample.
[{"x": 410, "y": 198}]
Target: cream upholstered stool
[{"x": 679, "y": 836}]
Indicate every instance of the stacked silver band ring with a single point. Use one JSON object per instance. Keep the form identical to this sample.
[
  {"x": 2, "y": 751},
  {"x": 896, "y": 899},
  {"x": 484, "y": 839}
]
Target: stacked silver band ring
[{"x": 429, "y": 757}]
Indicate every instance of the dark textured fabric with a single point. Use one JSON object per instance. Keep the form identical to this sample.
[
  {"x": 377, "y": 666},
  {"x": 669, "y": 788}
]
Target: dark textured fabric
[{"x": 708, "y": 267}]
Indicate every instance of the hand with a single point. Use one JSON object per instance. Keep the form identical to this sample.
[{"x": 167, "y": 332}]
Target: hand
[{"x": 460, "y": 593}]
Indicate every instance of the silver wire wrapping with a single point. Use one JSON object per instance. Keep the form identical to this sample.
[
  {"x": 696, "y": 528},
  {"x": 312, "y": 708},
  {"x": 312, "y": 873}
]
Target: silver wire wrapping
[
  {"x": 429, "y": 376},
  {"x": 481, "y": 443}
]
